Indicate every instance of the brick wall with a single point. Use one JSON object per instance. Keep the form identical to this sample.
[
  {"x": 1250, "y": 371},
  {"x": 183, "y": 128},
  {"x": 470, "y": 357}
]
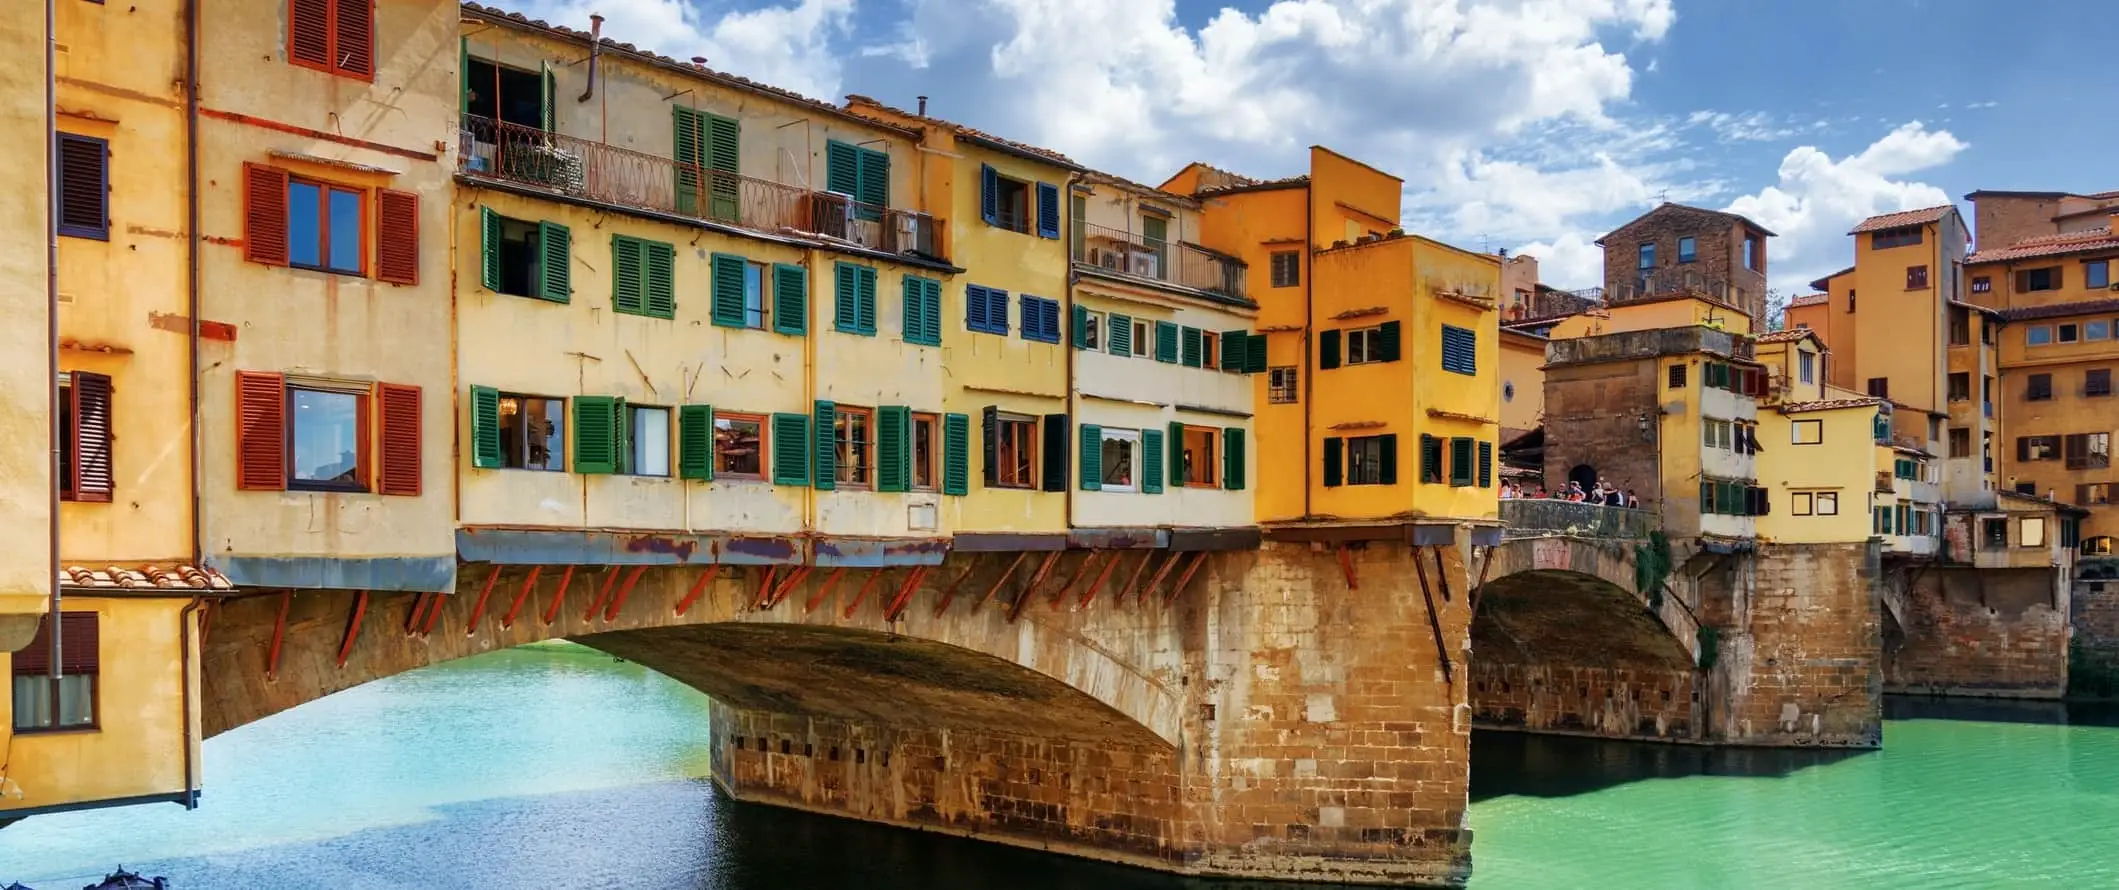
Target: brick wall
[
  {"x": 2000, "y": 221},
  {"x": 1718, "y": 250},
  {"x": 2093, "y": 652},
  {"x": 1797, "y": 658},
  {"x": 1978, "y": 632},
  {"x": 1593, "y": 416},
  {"x": 1644, "y": 702}
]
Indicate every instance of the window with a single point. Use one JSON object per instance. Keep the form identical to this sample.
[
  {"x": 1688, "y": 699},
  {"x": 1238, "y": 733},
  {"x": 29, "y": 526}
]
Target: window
[
  {"x": 2030, "y": 280},
  {"x": 1900, "y": 237},
  {"x": 1459, "y": 350},
  {"x": 1166, "y": 337},
  {"x": 510, "y": 96},
  {"x": 853, "y": 446},
  {"x": 1807, "y": 366},
  {"x": 1827, "y": 503},
  {"x": 2097, "y": 274},
  {"x": 1716, "y": 434},
  {"x": 1960, "y": 442},
  {"x": 1905, "y": 469},
  {"x": 1371, "y": 460},
  {"x": 315, "y": 435},
  {"x": 1993, "y": 533},
  {"x": 643, "y": 277},
  {"x": 1093, "y": 325},
  {"x": 862, "y": 173},
  {"x": 2030, "y": 448},
  {"x": 2030, "y": 531},
  {"x": 1754, "y": 258},
  {"x": 2038, "y": 387},
  {"x": 1677, "y": 376},
  {"x": 1882, "y": 428},
  {"x": 1281, "y": 385},
  {"x": 739, "y": 445},
  {"x": 336, "y": 37},
  {"x": 1687, "y": 249},
  {"x": 42, "y": 703},
  {"x": 2037, "y": 335},
  {"x": 986, "y": 310},
  {"x": 1006, "y": 203},
  {"x": 647, "y": 433},
  {"x": 1040, "y": 319},
  {"x": 1814, "y": 503},
  {"x": 1801, "y": 503},
  {"x": 926, "y": 450},
  {"x": 2097, "y": 330},
  {"x": 1647, "y": 256},
  {"x": 2088, "y": 451},
  {"x": 1118, "y": 459},
  {"x": 923, "y": 311},
  {"x": 85, "y": 472},
  {"x": 532, "y": 431},
  {"x": 525, "y": 259},
  {"x": 1140, "y": 338},
  {"x": 1960, "y": 326},
  {"x": 323, "y": 227},
  {"x": 1982, "y": 284},
  {"x": 1012, "y": 452},
  {"x": 1286, "y": 268},
  {"x": 2093, "y": 493},
  {"x": 1807, "y": 432},
  {"x": 1916, "y": 277},
  {"x": 1209, "y": 352},
  {"x": 1197, "y": 466},
  {"x": 853, "y": 303},
  {"x": 1960, "y": 386},
  {"x": 2066, "y": 333},
  {"x": 325, "y": 436},
  {"x": 2097, "y": 382},
  {"x": 83, "y": 201},
  {"x": 1368, "y": 345},
  {"x": 1880, "y": 387}
]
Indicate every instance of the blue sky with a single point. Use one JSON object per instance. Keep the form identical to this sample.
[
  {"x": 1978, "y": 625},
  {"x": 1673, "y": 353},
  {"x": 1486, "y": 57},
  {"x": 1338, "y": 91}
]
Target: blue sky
[{"x": 1528, "y": 124}]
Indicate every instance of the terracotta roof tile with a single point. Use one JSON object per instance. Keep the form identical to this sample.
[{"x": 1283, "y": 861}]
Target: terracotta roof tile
[
  {"x": 2060, "y": 310},
  {"x": 149, "y": 576},
  {"x": 1810, "y": 300},
  {"x": 1902, "y": 218},
  {"x": 1785, "y": 335},
  {"x": 1259, "y": 185},
  {"x": 1828, "y": 405},
  {"x": 2050, "y": 245},
  {"x": 975, "y": 135}
]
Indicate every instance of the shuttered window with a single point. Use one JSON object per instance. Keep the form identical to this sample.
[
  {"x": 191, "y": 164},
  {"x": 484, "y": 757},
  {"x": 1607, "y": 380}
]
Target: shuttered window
[
  {"x": 327, "y": 436},
  {"x": 1486, "y": 465},
  {"x": 265, "y": 214},
  {"x": 599, "y": 435},
  {"x": 83, "y": 202},
  {"x": 1040, "y": 319},
  {"x": 643, "y": 277},
  {"x": 923, "y": 311},
  {"x": 862, "y": 173},
  {"x": 41, "y": 703},
  {"x": 956, "y": 454},
  {"x": 397, "y": 415},
  {"x": 894, "y": 448},
  {"x": 986, "y": 310},
  {"x": 790, "y": 443},
  {"x": 1328, "y": 349},
  {"x": 1048, "y": 210},
  {"x": 317, "y": 225},
  {"x": 1151, "y": 462},
  {"x": 791, "y": 299},
  {"x": 1118, "y": 335},
  {"x": 708, "y": 154},
  {"x": 1189, "y": 347},
  {"x": 337, "y": 36},
  {"x": 1235, "y": 350},
  {"x": 727, "y": 271},
  {"x": 854, "y": 299},
  {"x": 1166, "y": 342},
  {"x": 1232, "y": 459},
  {"x": 1334, "y": 461},
  {"x": 1430, "y": 458},
  {"x": 695, "y": 442},
  {"x": 1462, "y": 472},
  {"x": 1460, "y": 350},
  {"x": 396, "y": 237},
  {"x": 261, "y": 431},
  {"x": 85, "y": 438}
]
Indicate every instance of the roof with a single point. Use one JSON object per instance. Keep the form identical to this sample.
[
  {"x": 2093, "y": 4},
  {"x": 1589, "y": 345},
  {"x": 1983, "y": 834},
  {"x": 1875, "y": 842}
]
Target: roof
[
  {"x": 144, "y": 577},
  {"x": 516, "y": 19},
  {"x": 2057, "y": 505},
  {"x": 1810, "y": 300},
  {"x": 1786, "y": 335},
  {"x": 963, "y": 132},
  {"x": 1667, "y": 204},
  {"x": 1975, "y": 307},
  {"x": 1821, "y": 284},
  {"x": 2060, "y": 310},
  {"x": 1260, "y": 186},
  {"x": 1130, "y": 185},
  {"x": 1903, "y": 218},
  {"x": 2050, "y": 245},
  {"x": 2005, "y": 193},
  {"x": 1828, "y": 405}
]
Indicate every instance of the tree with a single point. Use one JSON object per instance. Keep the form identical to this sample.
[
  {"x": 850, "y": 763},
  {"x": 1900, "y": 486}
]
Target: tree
[{"x": 1776, "y": 310}]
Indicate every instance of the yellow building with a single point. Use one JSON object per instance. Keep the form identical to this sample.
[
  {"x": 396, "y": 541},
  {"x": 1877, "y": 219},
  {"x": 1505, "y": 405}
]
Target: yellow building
[
  {"x": 1402, "y": 337},
  {"x": 1522, "y": 381},
  {"x": 1818, "y": 455},
  {"x": 1675, "y": 309}
]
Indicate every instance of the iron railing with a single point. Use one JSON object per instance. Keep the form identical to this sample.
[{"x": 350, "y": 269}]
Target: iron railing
[
  {"x": 1539, "y": 517},
  {"x": 1131, "y": 253},
  {"x": 1671, "y": 282},
  {"x": 582, "y": 168}
]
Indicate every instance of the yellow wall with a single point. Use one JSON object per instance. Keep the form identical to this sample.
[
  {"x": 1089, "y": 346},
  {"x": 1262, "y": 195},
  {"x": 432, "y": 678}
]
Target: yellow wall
[
  {"x": 1905, "y": 332},
  {"x": 1684, "y": 457},
  {"x": 1649, "y": 315},
  {"x": 316, "y": 323},
  {"x": 1351, "y": 199},
  {"x": 1841, "y": 460},
  {"x": 2068, "y": 412},
  {"x": 1252, "y": 226},
  {"x": 26, "y": 570},
  {"x": 1522, "y": 361}
]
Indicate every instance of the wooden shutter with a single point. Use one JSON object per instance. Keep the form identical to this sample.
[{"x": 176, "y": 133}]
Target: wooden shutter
[
  {"x": 1078, "y": 325},
  {"x": 932, "y": 315},
  {"x": 261, "y": 431},
  {"x": 989, "y": 195},
  {"x": 687, "y": 153},
  {"x": 309, "y": 33},
  {"x": 1118, "y": 336},
  {"x": 1092, "y": 459},
  {"x": 975, "y": 308},
  {"x": 845, "y": 315},
  {"x": 1460, "y": 350},
  {"x": 83, "y": 204},
  {"x": 1189, "y": 353},
  {"x": 78, "y": 646},
  {"x": 1334, "y": 461},
  {"x": 1166, "y": 342},
  {"x": 1328, "y": 349},
  {"x": 727, "y": 287},
  {"x": 489, "y": 237},
  {"x": 93, "y": 477},
  {"x": 956, "y": 454},
  {"x": 547, "y": 88},
  {"x": 1430, "y": 458},
  {"x": 997, "y": 310},
  {"x": 790, "y": 449},
  {"x": 1178, "y": 477},
  {"x": 842, "y": 168},
  {"x": 628, "y": 275},
  {"x": 874, "y": 189},
  {"x": 791, "y": 300},
  {"x": 1057, "y": 434},
  {"x": 1388, "y": 341},
  {"x": 1255, "y": 355},
  {"x": 1387, "y": 459},
  {"x": 695, "y": 442},
  {"x": 486, "y": 452},
  {"x": 1232, "y": 458},
  {"x": 1048, "y": 210},
  {"x": 1235, "y": 349},
  {"x": 597, "y": 445},
  {"x": 865, "y": 300},
  {"x": 1486, "y": 464},
  {"x": 398, "y": 415},
  {"x": 893, "y": 448},
  {"x": 353, "y": 37},
  {"x": 555, "y": 262},
  {"x": 396, "y": 236},
  {"x": 990, "y": 425},
  {"x": 1461, "y": 469},
  {"x": 265, "y": 213},
  {"x": 1151, "y": 461},
  {"x": 659, "y": 279},
  {"x": 825, "y": 464},
  {"x": 724, "y": 154}
]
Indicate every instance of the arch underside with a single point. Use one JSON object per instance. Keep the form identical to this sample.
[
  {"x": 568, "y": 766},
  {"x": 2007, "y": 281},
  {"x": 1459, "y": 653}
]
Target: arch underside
[{"x": 1563, "y": 651}]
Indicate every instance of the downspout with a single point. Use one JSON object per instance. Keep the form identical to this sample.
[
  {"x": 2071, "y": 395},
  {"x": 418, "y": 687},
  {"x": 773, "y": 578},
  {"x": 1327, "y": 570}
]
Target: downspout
[
  {"x": 184, "y": 618},
  {"x": 51, "y": 317},
  {"x": 1073, "y": 281},
  {"x": 191, "y": 267},
  {"x": 595, "y": 49}
]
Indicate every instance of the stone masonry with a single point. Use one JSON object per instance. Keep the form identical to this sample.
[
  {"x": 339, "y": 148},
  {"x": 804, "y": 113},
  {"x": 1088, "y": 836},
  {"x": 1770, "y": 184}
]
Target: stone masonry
[
  {"x": 1718, "y": 253},
  {"x": 1797, "y": 646},
  {"x": 2093, "y": 646},
  {"x": 1978, "y": 632}
]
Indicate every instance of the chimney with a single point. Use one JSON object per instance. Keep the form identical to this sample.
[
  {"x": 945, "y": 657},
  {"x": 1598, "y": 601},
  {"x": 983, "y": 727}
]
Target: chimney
[
  {"x": 698, "y": 61},
  {"x": 923, "y": 106}
]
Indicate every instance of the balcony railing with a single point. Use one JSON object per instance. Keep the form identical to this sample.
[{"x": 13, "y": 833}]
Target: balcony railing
[
  {"x": 580, "y": 168},
  {"x": 1539, "y": 517},
  {"x": 1668, "y": 283},
  {"x": 1132, "y": 253}
]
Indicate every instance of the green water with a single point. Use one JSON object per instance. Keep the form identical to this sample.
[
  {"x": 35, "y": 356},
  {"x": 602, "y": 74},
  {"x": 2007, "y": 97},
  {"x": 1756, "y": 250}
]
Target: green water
[{"x": 556, "y": 766}]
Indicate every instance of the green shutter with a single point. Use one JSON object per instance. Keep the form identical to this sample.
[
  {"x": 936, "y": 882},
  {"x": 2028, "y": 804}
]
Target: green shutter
[
  {"x": 1232, "y": 458},
  {"x": 1461, "y": 471},
  {"x": 1166, "y": 342},
  {"x": 1178, "y": 476},
  {"x": 1080, "y": 315},
  {"x": 1430, "y": 458},
  {"x": 1092, "y": 460},
  {"x": 1151, "y": 461},
  {"x": 548, "y": 116},
  {"x": 956, "y": 454},
  {"x": 826, "y": 463},
  {"x": 932, "y": 313},
  {"x": 865, "y": 300},
  {"x": 489, "y": 249},
  {"x": 845, "y": 315},
  {"x": 695, "y": 442},
  {"x": 1486, "y": 465},
  {"x": 1190, "y": 355},
  {"x": 874, "y": 188},
  {"x": 1387, "y": 460},
  {"x": 463, "y": 75},
  {"x": 1255, "y": 357},
  {"x": 1328, "y": 349},
  {"x": 893, "y": 448},
  {"x": 485, "y": 427},
  {"x": 724, "y": 156},
  {"x": 628, "y": 281},
  {"x": 790, "y": 449},
  {"x": 1334, "y": 461},
  {"x": 842, "y": 168},
  {"x": 727, "y": 289},
  {"x": 597, "y": 435},
  {"x": 1235, "y": 348},
  {"x": 790, "y": 299},
  {"x": 555, "y": 262},
  {"x": 1388, "y": 339},
  {"x": 1706, "y": 497},
  {"x": 659, "y": 283},
  {"x": 1119, "y": 334},
  {"x": 688, "y": 155}
]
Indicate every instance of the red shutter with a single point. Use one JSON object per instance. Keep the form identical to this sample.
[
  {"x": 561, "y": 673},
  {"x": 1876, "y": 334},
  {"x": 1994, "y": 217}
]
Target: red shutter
[
  {"x": 264, "y": 214},
  {"x": 91, "y": 408},
  {"x": 396, "y": 237},
  {"x": 399, "y": 414},
  {"x": 353, "y": 33},
  {"x": 309, "y": 33},
  {"x": 260, "y": 431},
  {"x": 78, "y": 645}
]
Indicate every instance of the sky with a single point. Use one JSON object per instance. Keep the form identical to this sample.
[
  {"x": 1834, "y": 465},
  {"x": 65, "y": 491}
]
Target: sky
[{"x": 1530, "y": 125}]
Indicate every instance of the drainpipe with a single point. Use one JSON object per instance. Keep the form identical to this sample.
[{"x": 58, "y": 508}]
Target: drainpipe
[
  {"x": 1309, "y": 337},
  {"x": 51, "y": 285},
  {"x": 1073, "y": 280},
  {"x": 595, "y": 49},
  {"x": 191, "y": 266},
  {"x": 184, "y": 619}
]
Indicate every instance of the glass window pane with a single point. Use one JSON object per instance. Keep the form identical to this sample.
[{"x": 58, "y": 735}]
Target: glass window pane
[
  {"x": 33, "y": 702},
  {"x": 77, "y": 700},
  {"x": 1116, "y": 458},
  {"x": 736, "y": 447},
  {"x": 923, "y": 452},
  {"x": 345, "y": 231},
  {"x": 651, "y": 441},
  {"x": 304, "y": 224},
  {"x": 754, "y": 295},
  {"x": 326, "y": 437}
]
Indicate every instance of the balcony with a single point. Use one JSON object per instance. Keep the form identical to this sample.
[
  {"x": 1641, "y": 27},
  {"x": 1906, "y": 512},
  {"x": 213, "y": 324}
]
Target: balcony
[
  {"x": 1544, "y": 517},
  {"x": 1671, "y": 283},
  {"x": 578, "y": 168},
  {"x": 1181, "y": 264}
]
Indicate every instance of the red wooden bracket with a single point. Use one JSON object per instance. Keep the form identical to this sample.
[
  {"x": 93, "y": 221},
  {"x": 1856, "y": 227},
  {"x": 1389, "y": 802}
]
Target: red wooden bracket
[
  {"x": 279, "y": 631},
  {"x": 419, "y": 610},
  {"x": 478, "y": 609},
  {"x": 610, "y": 580},
  {"x": 1079, "y": 571},
  {"x": 823, "y": 590},
  {"x": 949, "y": 595},
  {"x": 1346, "y": 565},
  {"x": 794, "y": 579},
  {"x": 1089, "y": 595},
  {"x": 1441, "y": 571},
  {"x": 873, "y": 577},
  {"x": 698, "y": 588},
  {"x": 1036, "y": 581},
  {"x": 353, "y": 627},
  {"x": 1119, "y": 599},
  {"x": 1003, "y": 579},
  {"x": 434, "y": 614},
  {"x": 1156, "y": 580},
  {"x": 624, "y": 590},
  {"x": 1198, "y": 559},
  {"x": 765, "y": 589},
  {"x": 551, "y": 613},
  {"x": 905, "y": 592},
  {"x": 528, "y": 584}
]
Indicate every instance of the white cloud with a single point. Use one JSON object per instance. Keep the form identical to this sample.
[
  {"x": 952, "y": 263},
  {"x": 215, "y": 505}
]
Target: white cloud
[
  {"x": 1753, "y": 126},
  {"x": 1570, "y": 262},
  {"x": 788, "y": 46}
]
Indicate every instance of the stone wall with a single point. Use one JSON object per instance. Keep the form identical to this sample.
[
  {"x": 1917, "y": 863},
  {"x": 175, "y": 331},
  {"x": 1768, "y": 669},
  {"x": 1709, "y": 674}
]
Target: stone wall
[
  {"x": 2093, "y": 650},
  {"x": 1594, "y": 415},
  {"x": 1627, "y": 702},
  {"x": 1982, "y": 632},
  {"x": 1719, "y": 253},
  {"x": 1798, "y": 644}
]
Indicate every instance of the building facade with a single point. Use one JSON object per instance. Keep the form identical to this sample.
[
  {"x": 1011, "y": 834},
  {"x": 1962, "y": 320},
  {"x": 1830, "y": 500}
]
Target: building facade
[{"x": 1678, "y": 249}]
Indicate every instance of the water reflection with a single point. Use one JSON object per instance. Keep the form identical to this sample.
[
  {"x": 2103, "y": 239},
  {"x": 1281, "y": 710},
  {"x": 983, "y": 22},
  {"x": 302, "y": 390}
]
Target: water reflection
[{"x": 1515, "y": 763}]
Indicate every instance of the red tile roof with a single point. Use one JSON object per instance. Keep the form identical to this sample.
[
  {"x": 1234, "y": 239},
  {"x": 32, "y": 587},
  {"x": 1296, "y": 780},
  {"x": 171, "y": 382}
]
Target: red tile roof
[
  {"x": 1810, "y": 300},
  {"x": 1259, "y": 186},
  {"x": 2061, "y": 310},
  {"x": 1828, "y": 405},
  {"x": 1786, "y": 335},
  {"x": 970, "y": 133},
  {"x": 2050, "y": 245},
  {"x": 164, "y": 577},
  {"x": 1903, "y": 218}
]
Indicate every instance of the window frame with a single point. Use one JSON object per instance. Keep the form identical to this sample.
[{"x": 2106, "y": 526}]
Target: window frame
[
  {"x": 363, "y": 433},
  {"x": 1023, "y": 223},
  {"x": 2067, "y": 332},
  {"x": 1019, "y": 440},
  {"x": 1094, "y": 323},
  {"x": 858, "y": 472},
  {"x": 1209, "y": 350},
  {"x": 2096, "y": 382},
  {"x": 1288, "y": 262},
  {"x": 1644, "y": 256},
  {"x": 755, "y": 299},
  {"x": 2034, "y": 383},
  {"x": 1375, "y": 462},
  {"x": 1917, "y": 277},
  {"x": 1142, "y": 331},
  {"x": 1688, "y": 249},
  {"x": 2038, "y": 335},
  {"x": 1283, "y": 385},
  {"x": 722, "y": 472},
  {"x": 1369, "y": 339},
  {"x": 633, "y": 441},
  {"x": 1717, "y": 433},
  {"x": 1211, "y": 436},
  {"x": 40, "y": 643},
  {"x": 521, "y": 434},
  {"x": 325, "y": 189},
  {"x": 1902, "y": 236},
  {"x": 1806, "y": 365},
  {"x": 931, "y": 460},
  {"x": 2025, "y": 526},
  {"x": 2103, "y": 277},
  {"x": 334, "y": 34},
  {"x": 1801, "y": 503},
  {"x": 1816, "y": 428},
  {"x": 1132, "y": 439},
  {"x": 2026, "y": 284}
]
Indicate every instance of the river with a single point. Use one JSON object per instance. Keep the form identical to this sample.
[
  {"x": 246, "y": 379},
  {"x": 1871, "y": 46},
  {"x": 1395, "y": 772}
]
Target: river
[{"x": 558, "y": 766}]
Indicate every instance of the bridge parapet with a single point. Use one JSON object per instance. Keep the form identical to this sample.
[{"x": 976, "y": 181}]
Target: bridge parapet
[{"x": 1545, "y": 517}]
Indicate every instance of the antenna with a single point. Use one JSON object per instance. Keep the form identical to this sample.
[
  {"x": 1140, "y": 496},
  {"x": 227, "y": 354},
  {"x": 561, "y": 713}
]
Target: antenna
[{"x": 1662, "y": 196}]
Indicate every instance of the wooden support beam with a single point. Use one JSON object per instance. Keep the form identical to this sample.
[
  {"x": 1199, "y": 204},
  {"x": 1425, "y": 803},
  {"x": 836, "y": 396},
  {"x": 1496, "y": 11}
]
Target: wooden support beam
[
  {"x": 1486, "y": 564},
  {"x": 1346, "y": 565},
  {"x": 551, "y": 613},
  {"x": 765, "y": 589},
  {"x": 1089, "y": 594},
  {"x": 434, "y": 614},
  {"x": 610, "y": 580},
  {"x": 823, "y": 590},
  {"x": 1118, "y": 599},
  {"x": 1198, "y": 559},
  {"x": 794, "y": 580},
  {"x": 1434, "y": 622},
  {"x": 698, "y": 589},
  {"x": 873, "y": 577},
  {"x": 353, "y": 627},
  {"x": 624, "y": 590},
  {"x": 905, "y": 592},
  {"x": 515, "y": 608},
  {"x": 1003, "y": 579},
  {"x": 279, "y": 632},
  {"x": 1441, "y": 571},
  {"x": 1079, "y": 571},
  {"x": 478, "y": 609},
  {"x": 1157, "y": 579},
  {"x": 1036, "y": 581},
  {"x": 419, "y": 610},
  {"x": 949, "y": 595}
]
